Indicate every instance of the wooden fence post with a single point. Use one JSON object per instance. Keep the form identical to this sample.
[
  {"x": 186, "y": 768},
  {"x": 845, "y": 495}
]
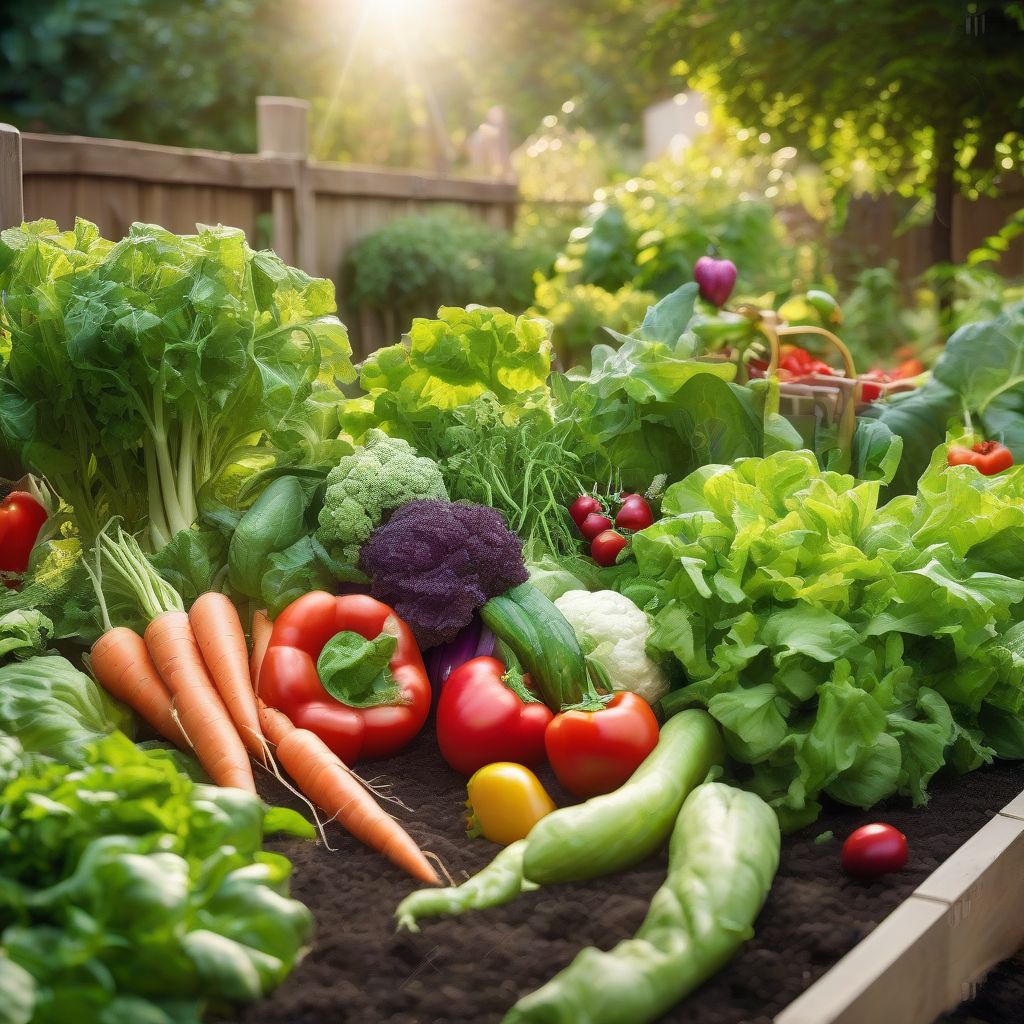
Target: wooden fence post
[
  {"x": 12, "y": 205},
  {"x": 282, "y": 130}
]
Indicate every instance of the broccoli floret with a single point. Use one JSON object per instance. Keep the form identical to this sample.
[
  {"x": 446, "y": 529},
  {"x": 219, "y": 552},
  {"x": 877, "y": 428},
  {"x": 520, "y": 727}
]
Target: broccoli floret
[
  {"x": 365, "y": 486},
  {"x": 436, "y": 562}
]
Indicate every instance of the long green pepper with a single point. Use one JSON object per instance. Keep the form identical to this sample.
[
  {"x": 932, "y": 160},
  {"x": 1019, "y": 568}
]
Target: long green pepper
[
  {"x": 499, "y": 883},
  {"x": 722, "y": 859},
  {"x": 602, "y": 835}
]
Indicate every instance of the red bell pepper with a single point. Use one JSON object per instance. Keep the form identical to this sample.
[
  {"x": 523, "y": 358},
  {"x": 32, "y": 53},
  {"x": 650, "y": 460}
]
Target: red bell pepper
[
  {"x": 348, "y": 669},
  {"x": 21, "y": 518},
  {"x": 594, "y": 752},
  {"x": 486, "y": 714},
  {"x": 987, "y": 457}
]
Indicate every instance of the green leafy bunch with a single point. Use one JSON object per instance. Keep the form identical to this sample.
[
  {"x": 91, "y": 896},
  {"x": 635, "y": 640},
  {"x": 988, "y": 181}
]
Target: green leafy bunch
[
  {"x": 131, "y": 893},
  {"x": 448, "y": 362},
  {"x": 470, "y": 391},
  {"x": 143, "y": 375},
  {"x": 846, "y": 649}
]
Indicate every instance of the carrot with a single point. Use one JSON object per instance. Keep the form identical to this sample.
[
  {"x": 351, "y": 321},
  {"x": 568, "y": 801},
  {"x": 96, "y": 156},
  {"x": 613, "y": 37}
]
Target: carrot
[
  {"x": 325, "y": 780},
  {"x": 123, "y": 667},
  {"x": 262, "y": 627},
  {"x": 218, "y": 631},
  {"x": 201, "y": 712}
]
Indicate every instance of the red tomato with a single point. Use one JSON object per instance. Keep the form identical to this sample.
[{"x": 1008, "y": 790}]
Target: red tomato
[
  {"x": 799, "y": 362},
  {"x": 21, "y": 519},
  {"x": 582, "y": 507},
  {"x": 594, "y": 524},
  {"x": 874, "y": 849},
  {"x": 481, "y": 720},
  {"x": 605, "y": 547},
  {"x": 987, "y": 457},
  {"x": 594, "y": 752},
  {"x": 635, "y": 514}
]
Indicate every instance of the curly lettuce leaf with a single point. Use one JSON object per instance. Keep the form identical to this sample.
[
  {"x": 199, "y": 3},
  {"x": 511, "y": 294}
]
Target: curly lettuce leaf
[
  {"x": 447, "y": 363},
  {"x": 846, "y": 648}
]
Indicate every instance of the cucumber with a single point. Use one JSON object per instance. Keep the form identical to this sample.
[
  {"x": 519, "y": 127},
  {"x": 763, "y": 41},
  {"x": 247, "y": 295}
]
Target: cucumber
[{"x": 539, "y": 635}]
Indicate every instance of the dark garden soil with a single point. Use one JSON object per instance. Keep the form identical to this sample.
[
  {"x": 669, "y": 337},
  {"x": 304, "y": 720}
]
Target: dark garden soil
[{"x": 473, "y": 968}]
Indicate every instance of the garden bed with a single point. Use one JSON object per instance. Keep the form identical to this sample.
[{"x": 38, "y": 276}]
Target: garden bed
[{"x": 473, "y": 968}]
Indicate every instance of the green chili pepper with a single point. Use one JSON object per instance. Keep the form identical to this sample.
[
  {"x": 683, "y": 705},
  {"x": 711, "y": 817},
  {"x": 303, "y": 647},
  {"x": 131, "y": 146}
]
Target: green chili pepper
[
  {"x": 500, "y": 882},
  {"x": 722, "y": 859},
  {"x": 611, "y": 832}
]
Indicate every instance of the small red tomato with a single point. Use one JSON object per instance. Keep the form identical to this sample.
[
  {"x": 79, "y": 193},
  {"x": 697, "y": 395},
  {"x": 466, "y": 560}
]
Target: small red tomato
[
  {"x": 873, "y": 850},
  {"x": 594, "y": 752},
  {"x": 635, "y": 514},
  {"x": 605, "y": 547},
  {"x": 987, "y": 457},
  {"x": 582, "y": 507},
  {"x": 594, "y": 524}
]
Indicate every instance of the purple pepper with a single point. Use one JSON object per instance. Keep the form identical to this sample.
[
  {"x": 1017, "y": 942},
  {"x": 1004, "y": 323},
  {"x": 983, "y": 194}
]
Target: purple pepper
[
  {"x": 474, "y": 641},
  {"x": 716, "y": 279}
]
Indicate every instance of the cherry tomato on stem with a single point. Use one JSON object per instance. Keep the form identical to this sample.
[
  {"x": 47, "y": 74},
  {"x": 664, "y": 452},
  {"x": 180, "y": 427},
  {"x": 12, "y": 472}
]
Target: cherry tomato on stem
[
  {"x": 486, "y": 714},
  {"x": 594, "y": 524},
  {"x": 605, "y": 547},
  {"x": 635, "y": 514},
  {"x": 873, "y": 850},
  {"x": 582, "y": 507},
  {"x": 596, "y": 751},
  {"x": 987, "y": 457}
]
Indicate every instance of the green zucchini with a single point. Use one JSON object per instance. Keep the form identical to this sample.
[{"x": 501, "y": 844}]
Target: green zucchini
[{"x": 539, "y": 635}]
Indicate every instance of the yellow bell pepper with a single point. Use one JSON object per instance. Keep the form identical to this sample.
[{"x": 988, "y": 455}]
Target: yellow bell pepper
[{"x": 505, "y": 800}]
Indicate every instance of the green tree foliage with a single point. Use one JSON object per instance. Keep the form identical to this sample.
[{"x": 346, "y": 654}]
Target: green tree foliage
[
  {"x": 184, "y": 73},
  {"x": 923, "y": 93}
]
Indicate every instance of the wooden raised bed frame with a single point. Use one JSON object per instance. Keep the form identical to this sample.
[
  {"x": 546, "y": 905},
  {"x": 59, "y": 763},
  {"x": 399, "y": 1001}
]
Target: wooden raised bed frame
[{"x": 931, "y": 952}]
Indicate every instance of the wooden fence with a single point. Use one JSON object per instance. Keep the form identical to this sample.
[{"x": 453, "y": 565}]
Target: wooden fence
[{"x": 312, "y": 213}]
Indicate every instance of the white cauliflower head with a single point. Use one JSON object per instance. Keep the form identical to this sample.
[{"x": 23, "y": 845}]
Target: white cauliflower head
[{"x": 613, "y": 632}]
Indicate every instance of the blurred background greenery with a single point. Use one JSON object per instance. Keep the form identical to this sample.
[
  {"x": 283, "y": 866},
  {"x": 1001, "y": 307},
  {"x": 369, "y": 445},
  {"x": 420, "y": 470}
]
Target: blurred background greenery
[{"x": 806, "y": 109}]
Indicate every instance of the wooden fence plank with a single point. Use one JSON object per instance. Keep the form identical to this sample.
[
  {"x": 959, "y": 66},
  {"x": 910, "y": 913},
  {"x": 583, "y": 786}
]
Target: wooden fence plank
[
  {"x": 12, "y": 207},
  {"x": 112, "y": 158}
]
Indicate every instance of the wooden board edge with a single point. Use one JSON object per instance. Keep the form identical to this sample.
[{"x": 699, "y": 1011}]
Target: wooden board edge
[{"x": 930, "y": 953}]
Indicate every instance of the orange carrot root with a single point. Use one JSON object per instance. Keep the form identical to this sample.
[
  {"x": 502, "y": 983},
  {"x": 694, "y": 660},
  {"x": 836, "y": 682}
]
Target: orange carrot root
[
  {"x": 262, "y": 627},
  {"x": 200, "y": 710},
  {"x": 123, "y": 667},
  {"x": 325, "y": 779},
  {"x": 218, "y": 631}
]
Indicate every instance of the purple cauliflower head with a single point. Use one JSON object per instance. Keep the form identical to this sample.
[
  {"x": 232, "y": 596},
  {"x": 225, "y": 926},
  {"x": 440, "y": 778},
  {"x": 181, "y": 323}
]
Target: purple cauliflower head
[{"x": 435, "y": 562}]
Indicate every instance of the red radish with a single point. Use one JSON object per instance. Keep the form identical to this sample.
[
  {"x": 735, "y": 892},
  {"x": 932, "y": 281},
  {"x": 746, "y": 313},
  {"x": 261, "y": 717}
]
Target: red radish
[
  {"x": 582, "y": 507},
  {"x": 605, "y": 547},
  {"x": 873, "y": 850},
  {"x": 594, "y": 524},
  {"x": 716, "y": 279},
  {"x": 635, "y": 514}
]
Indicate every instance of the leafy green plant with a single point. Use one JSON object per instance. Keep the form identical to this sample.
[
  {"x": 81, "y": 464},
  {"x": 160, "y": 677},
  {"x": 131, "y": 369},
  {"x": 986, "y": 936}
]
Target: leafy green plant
[
  {"x": 142, "y": 374},
  {"x": 859, "y": 659},
  {"x": 578, "y": 312},
  {"x": 442, "y": 258},
  {"x": 139, "y": 894}
]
